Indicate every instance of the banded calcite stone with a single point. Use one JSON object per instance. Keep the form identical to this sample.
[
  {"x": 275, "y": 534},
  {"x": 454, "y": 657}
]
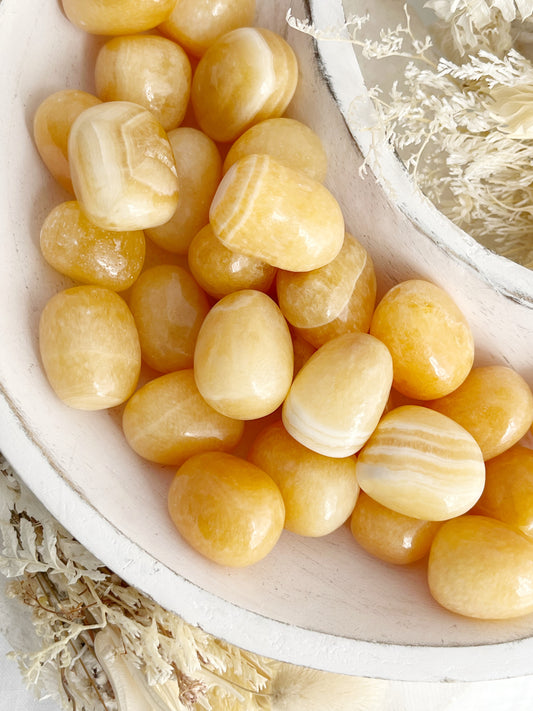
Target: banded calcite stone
[
  {"x": 266, "y": 210},
  {"x": 422, "y": 464},
  {"x": 339, "y": 394},
  {"x": 334, "y": 299},
  {"x": 122, "y": 167}
]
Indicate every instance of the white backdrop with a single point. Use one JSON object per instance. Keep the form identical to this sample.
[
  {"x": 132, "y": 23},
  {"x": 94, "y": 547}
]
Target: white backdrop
[{"x": 504, "y": 695}]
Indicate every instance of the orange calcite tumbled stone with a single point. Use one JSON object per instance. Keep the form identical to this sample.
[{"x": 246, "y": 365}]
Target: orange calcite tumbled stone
[
  {"x": 226, "y": 508},
  {"x": 149, "y": 70},
  {"x": 117, "y": 17},
  {"x": 220, "y": 271},
  {"x": 482, "y": 568},
  {"x": 389, "y": 535},
  {"x": 335, "y": 299},
  {"x": 73, "y": 246},
  {"x": 421, "y": 464},
  {"x": 51, "y": 129},
  {"x": 196, "y": 25},
  {"x": 89, "y": 347},
  {"x": 243, "y": 360},
  {"x": 429, "y": 339},
  {"x": 494, "y": 403},
  {"x": 290, "y": 142},
  {"x": 248, "y": 75},
  {"x": 122, "y": 167},
  {"x": 167, "y": 421},
  {"x": 508, "y": 492},
  {"x": 168, "y": 307},
  {"x": 319, "y": 492},
  {"x": 276, "y": 214},
  {"x": 199, "y": 168},
  {"x": 339, "y": 394}
]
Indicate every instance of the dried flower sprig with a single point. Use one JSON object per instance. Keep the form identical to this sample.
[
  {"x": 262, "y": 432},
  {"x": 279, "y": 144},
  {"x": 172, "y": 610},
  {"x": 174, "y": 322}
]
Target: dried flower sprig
[
  {"x": 461, "y": 124},
  {"x": 105, "y": 646}
]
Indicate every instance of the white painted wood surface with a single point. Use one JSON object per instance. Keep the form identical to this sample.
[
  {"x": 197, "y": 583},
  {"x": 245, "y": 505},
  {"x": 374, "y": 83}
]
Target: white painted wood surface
[{"x": 322, "y": 603}]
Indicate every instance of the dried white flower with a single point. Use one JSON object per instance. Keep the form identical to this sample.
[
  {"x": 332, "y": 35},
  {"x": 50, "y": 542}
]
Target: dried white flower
[
  {"x": 462, "y": 125},
  {"x": 300, "y": 689}
]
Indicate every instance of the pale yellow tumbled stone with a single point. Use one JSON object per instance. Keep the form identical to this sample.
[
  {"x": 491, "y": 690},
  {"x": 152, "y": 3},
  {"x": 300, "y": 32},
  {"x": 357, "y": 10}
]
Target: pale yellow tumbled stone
[
  {"x": 482, "y": 568},
  {"x": 199, "y": 168},
  {"x": 334, "y": 299},
  {"x": 339, "y": 394},
  {"x": 167, "y": 421},
  {"x": 122, "y": 167},
  {"x": 197, "y": 25},
  {"x": 248, "y": 75},
  {"x": 116, "y": 17},
  {"x": 421, "y": 463},
  {"x": 274, "y": 213},
  {"x": 288, "y": 141},
  {"x": 89, "y": 347},
  {"x": 243, "y": 360},
  {"x": 51, "y": 127},
  {"x": 319, "y": 492},
  {"x": 148, "y": 70}
]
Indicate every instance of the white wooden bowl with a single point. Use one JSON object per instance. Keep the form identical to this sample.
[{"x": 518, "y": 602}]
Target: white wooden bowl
[{"x": 322, "y": 603}]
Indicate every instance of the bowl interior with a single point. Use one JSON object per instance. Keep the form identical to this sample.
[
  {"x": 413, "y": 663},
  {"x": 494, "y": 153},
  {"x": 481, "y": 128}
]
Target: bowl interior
[{"x": 322, "y": 603}]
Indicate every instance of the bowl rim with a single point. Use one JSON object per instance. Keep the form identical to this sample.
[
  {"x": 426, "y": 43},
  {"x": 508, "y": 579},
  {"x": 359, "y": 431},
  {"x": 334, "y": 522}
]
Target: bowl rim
[{"x": 342, "y": 73}]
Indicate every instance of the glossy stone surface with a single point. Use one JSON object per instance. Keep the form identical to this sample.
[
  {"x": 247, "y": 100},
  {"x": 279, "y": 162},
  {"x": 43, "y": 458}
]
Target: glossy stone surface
[
  {"x": 167, "y": 421},
  {"x": 279, "y": 215},
  {"x": 51, "y": 128},
  {"x": 429, "y": 339},
  {"x": 148, "y": 70},
  {"x": 334, "y": 299},
  {"x": 494, "y": 404},
  {"x": 482, "y": 568},
  {"x": 319, "y": 492},
  {"x": 199, "y": 168},
  {"x": 421, "y": 464},
  {"x": 73, "y": 246},
  {"x": 508, "y": 492},
  {"x": 243, "y": 360},
  {"x": 389, "y": 535},
  {"x": 196, "y": 25},
  {"x": 246, "y": 76},
  {"x": 89, "y": 347},
  {"x": 290, "y": 142},
  {"x": 339, "y": 394},
  {"x": 116, "y": 17},
  {"x": 221, "y": 271},
  {"x": 226, "y": 508},
  {"x": 122, "y": 167},
  {"x": 168, "y": 307}
]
